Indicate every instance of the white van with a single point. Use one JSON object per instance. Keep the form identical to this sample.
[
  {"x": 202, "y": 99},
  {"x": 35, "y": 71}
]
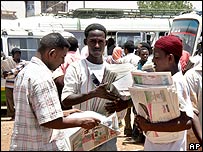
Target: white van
[
  {"x": 27, "y": 41},
  {"x": 188, "y": 27}
]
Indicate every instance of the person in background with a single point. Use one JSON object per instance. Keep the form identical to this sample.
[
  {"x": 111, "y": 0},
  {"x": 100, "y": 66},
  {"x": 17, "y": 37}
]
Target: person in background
[
  {"x": 196, "y": 59},
  {"x": 38, "y": 108},
  {"x": 117, "y": 54},
  {"x": 138, "y": 136},
  {"x": 184, "y": 60},
  {"x": 80, "y": 89},
  {"x": 144, "y": 44},
  {"x": 194, "y": 80},
  {"x": 10, "y": 67},
  {"x": 71, "y": 56},
  {"x": 143, "y": 54},
  {"x": 129, "y": 56},
  {"x": 84, "y": 53},
  {"x": 110, "y": 46},
  {"x": 167, "y": 53}
]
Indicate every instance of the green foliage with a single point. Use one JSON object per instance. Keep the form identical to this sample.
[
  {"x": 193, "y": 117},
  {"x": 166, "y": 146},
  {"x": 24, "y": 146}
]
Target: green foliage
[{"x": 162, "y": 5}]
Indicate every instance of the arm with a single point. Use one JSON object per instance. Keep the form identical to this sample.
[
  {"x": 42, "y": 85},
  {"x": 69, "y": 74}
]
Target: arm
[
  {"x": 196, "y": 127},
  {"x": 62, "y": 123},
  {"x": 183, "y": 122},
  {"x": 100, "y": 91}
]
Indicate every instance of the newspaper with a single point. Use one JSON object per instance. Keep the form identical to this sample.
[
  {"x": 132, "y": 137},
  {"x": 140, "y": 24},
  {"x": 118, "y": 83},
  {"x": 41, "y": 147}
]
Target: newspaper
[
  {"x": 119, "y": 78},
  {"x": 80, "y": 139},
  {"x": 155, "y": 98}
]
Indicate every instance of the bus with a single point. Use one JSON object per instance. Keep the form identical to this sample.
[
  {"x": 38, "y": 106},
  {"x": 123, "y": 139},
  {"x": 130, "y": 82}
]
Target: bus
[
  {"x": 26, "y": 40},
  {"x": 188, "y": 27}
]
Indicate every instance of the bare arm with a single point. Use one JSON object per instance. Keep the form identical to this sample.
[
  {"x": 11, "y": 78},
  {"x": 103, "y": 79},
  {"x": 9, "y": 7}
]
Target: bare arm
[
  {"x": 99, "y": 91},
  {"x": 62, "y": 123},
  {"x": 183, "y": 122},
  {"x": 196, "y": 127}
]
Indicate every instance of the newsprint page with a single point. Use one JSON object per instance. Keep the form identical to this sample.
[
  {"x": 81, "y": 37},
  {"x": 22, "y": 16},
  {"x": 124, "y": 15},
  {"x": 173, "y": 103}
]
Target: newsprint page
[{"x": 80, "y": 139}]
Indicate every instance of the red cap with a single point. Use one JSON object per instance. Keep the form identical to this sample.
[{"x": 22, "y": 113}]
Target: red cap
[{"x": 171, "y": 44}]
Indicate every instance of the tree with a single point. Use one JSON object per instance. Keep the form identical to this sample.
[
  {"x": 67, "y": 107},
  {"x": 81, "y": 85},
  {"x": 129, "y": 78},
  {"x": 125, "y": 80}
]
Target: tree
[
  {"x": 167, "y": 8},
  {"x": 169, "y": 5}
]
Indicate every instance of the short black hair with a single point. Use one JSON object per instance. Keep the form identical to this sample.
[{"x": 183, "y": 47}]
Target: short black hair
[
  {"x": 14, "y": 50},
  {"x": 53, "y": 40},
  {"x": 73, "y": 43},
  {"x": 95, "y": 26},
  {"x": 129, "y": 45}
]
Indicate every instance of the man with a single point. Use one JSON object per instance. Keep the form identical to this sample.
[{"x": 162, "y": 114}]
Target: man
[
  {"x": 38, "y": 109},
  {"x": 167, "y": 52},
  {"x": 194, "y": 80},
  {"x": 10, "y": 67},
  {"x": 129, "y": 57},
  {"x": 79, "y": 88}
]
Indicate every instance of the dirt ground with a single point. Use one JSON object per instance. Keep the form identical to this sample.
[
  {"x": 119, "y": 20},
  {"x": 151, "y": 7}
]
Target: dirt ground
[{"x": 7, "y": 127}]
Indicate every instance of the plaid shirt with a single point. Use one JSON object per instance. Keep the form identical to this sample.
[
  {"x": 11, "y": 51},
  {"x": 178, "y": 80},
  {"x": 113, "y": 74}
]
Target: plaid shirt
[{"x": 37, "y": 102}]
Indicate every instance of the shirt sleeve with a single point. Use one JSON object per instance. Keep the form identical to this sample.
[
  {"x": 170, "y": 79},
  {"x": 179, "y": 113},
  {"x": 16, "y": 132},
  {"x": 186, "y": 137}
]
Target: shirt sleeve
[{"x": 72, "y": 80}]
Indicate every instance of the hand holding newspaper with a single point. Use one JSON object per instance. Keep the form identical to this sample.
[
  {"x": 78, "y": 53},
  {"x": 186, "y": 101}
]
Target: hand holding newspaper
[{"x": 80, "y": 139}]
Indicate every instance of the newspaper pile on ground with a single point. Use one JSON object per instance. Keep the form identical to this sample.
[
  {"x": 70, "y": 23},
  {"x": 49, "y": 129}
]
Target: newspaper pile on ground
[
  {"x": 80, "y": 139},
  {"x": 155, "y": 98}
]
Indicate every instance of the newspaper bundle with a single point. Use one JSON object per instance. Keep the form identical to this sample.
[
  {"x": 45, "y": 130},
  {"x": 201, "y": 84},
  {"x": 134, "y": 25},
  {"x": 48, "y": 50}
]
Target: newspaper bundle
[
  {"x": 80, "y": 139},
  {"x": 119, "y": 78},
  {"x": 155, "y": 98}
]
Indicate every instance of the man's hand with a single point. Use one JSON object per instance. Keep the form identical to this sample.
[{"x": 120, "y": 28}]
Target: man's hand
[
  {"x": 100, "y": 91},
  {"x": 141, "y": 123},
  {"x": 5, "y": 74},
  {"x": 89, "y": 122},
  {"x": 117, "y": 105}
]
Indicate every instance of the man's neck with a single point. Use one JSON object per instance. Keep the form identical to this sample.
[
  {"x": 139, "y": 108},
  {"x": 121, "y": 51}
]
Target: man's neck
[{"x": 98, "y": 60}]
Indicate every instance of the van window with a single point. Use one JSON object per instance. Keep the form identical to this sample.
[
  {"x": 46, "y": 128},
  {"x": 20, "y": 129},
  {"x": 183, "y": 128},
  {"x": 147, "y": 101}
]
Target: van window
[
  {"x": 187, "y": 31},
  {"x": 28, "y": 46},
  {"x": 122, "y": 37}
]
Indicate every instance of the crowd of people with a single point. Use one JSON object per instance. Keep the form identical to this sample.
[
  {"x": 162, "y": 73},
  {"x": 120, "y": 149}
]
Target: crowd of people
[{"x": 57, "y": 82}]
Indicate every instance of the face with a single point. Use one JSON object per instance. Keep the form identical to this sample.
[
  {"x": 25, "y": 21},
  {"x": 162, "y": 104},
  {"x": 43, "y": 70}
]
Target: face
[
  {"x": 162, "y": 61},
  {"x": 16, "y": 56},
  {"x": 56, "y": 57},
  {"x": 96, "y": 43},
  {"x": 144, "y": 55}
]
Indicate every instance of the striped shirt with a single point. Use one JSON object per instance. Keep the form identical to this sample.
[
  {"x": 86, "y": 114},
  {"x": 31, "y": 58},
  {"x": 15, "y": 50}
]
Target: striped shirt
[
  {"x": 12, "y": 68},
  {"x": 37, "y": 102}
]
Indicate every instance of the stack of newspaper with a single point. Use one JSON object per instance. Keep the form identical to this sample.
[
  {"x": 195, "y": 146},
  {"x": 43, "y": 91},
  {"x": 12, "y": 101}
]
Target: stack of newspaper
[
  {"x": 119, "y": 78},
  {"x": 155, "y": 98},
  {"x": 80, "y": 139}
]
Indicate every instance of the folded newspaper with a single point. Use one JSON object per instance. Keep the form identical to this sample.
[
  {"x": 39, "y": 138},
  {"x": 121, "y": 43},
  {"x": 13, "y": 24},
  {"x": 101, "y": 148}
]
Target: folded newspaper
[
  {"x": 80, "y": 139},
  {"x": 119, "y": 78},
  {"x": 155, "y": 98}
]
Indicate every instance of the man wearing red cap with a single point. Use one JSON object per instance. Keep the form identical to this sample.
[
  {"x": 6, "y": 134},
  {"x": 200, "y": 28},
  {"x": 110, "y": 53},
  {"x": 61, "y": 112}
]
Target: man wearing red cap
[{"x": 167, "y": 53}]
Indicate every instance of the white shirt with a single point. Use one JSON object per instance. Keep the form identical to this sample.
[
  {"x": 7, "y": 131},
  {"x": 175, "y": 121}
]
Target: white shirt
[
  {"x": 130, "y": 58},
  {"x": 77, "y": 80}
]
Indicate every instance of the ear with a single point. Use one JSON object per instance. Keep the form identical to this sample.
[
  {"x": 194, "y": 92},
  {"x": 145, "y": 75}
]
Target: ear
[
  {"x": 171, "y": 58},
  {"x": 52, "y": 53},
  {"x": 85, "y": 41}
]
